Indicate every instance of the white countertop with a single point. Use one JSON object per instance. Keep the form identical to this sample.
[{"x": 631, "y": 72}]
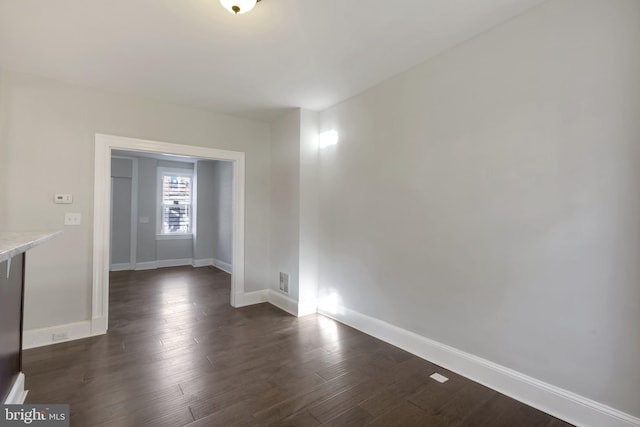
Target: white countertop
[{"x": 15, "y": 242}]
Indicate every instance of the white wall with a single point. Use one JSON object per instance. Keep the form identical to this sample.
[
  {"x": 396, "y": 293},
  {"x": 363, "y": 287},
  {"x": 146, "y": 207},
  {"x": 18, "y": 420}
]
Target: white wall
[
  {"x": 121, "y": 220},
  {"x": 221, "y": 189},
  {"x": 488, "y": 199},
  {"x": 121, "y": 193},
  {"x": 146, "y": 238},
  {"x": 49, "y": 145},
  {"x": 294, "y": 209},
  {"x": 205, "y": 226},
  {"x": 308, "y": 238},
  {"x": 214, "y": 237},
  {"x": 285, "y": 201}
]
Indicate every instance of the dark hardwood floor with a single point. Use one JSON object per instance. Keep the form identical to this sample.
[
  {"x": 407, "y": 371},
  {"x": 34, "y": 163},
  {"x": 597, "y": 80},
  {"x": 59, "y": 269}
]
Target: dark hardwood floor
[{"x": 177, "y": 354}]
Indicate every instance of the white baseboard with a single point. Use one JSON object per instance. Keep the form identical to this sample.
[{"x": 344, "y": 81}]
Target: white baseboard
[
  {"x": 307, "y": 307},
  {"x": 44, "y": 336},
  {"x": 251, "y": 298},
  {"x": 121, "y": 267},
  {"x": 17, "y": 394},
  {"x": 152, "y": 265},
  {"x": 202, "y": 262},
  {"x": 283, "y": 301},
  {"x": 98, "y": 326},
  {"x": 553, "y": 400},
  {"x": 278, "y": 299},
  {"x": 149, "y": 265},
  {"x": 162, "y": 263},
  {"x": 224, "y": 266}
]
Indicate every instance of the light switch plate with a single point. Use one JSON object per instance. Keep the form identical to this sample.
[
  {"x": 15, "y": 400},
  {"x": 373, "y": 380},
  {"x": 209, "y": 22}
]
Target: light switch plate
[{"x": 65, "y": 199}]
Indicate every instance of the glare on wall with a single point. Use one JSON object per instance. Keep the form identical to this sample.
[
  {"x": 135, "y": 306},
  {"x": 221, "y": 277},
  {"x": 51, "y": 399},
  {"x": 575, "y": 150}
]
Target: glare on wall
[{"x": 328, "y": 138}]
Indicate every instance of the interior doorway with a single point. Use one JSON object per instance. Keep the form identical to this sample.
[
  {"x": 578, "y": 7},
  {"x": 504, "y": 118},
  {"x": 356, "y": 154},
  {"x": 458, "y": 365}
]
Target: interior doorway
[
  {"x": 105, "y": 147},
  {"x": 169, "y": 211}
]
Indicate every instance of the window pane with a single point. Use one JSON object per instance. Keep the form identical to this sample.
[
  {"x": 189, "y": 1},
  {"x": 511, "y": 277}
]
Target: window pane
[
  {"x": 175, "y": 219},
  {"x": 176, "y": 188},
  {"x": 176, "y": 204}
]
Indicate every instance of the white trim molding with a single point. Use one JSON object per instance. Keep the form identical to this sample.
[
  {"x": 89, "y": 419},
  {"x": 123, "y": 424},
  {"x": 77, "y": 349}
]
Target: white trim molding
[
  {"x": 277, "y": 299},
  {"x": 202, "y": 262},
  {"x": 551, "y": 399},
  {"x": 121, "y": 267},
  {"x": 17, "y": 394},
  {"x": 251, "y": 298},
  {"x": 283, "y": 302},
  {"x": 147, "y": 265},
  {"x": 308, "y": 307},
  {"x": 40, "y": 337},
  {"x": 224, "y": 266},
  {"x": 104, "y": 144},
  {"x": 162, "y": 263},
  {"x": 98, "y": 326}
]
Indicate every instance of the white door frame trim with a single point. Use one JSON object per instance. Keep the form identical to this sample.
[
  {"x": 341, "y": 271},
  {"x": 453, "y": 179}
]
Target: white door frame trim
[{"x": 104, "y": 144}]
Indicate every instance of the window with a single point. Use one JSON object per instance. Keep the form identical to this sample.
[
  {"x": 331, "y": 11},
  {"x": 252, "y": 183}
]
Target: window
[{"x": 175, "y": 202}]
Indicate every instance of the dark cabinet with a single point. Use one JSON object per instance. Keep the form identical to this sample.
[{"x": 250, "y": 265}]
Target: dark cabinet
[{"x": 11, "y": 307}]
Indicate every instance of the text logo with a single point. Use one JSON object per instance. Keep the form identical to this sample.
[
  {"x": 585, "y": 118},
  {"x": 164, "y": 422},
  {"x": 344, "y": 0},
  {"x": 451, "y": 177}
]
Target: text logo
[{"x": 34, "y": 415}]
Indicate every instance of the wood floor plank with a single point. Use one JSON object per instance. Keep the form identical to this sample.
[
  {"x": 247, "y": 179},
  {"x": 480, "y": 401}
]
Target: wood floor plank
[
  {"x": 301, "y": 419},
  {"x": 381, "y": 402},
  {"x": 299, "y": 402},
  {"x": 404, "y": 415},
  {"x": 178, "y": 354},
  {"x": 502, "y": 411},
  {"x": 356, "y": 416},
  {"x": 342, "y": 402},
  {"x": 236, "y": 414}
]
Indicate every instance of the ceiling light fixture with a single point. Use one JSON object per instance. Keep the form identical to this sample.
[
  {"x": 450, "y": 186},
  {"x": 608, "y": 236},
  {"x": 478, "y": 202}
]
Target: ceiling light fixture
[{"x": 238, "y": 7}]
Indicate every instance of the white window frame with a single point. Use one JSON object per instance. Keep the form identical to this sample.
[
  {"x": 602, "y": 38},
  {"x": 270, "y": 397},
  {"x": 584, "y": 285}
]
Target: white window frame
[{"x": 162, "y": 172}]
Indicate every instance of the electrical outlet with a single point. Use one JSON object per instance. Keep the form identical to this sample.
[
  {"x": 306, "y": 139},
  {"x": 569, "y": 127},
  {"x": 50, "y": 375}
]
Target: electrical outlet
[
  {"x": 284, "y": 282},
  {"x": 59, "y": 336},
  {"x": 72, "y": 218}
]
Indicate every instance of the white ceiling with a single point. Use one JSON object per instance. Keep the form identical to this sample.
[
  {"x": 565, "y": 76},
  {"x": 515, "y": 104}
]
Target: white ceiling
[{"x": 285, "y": 53}]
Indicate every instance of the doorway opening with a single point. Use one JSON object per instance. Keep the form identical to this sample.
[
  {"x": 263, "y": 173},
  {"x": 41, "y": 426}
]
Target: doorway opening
[{"x": 108, "y": 145}]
